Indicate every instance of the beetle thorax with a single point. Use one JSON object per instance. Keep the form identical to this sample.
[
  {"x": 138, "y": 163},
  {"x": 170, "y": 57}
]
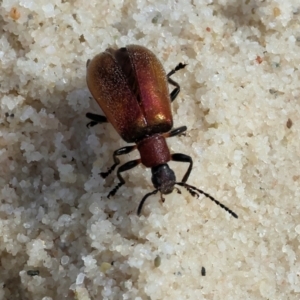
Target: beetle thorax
[{"x": 154, "y": 151}]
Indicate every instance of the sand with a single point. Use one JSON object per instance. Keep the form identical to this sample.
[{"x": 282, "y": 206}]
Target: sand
[{"x": 61, "y": 238}]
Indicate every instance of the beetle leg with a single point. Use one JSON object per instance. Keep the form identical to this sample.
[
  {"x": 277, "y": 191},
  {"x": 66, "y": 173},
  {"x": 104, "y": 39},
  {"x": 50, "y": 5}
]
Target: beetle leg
[
  {"x": 127, "y": 166},
  {"x": 183, "y": 158},
  {"x": 176, "y": 91},
  {"x": 96, "y": 119},
  {"x": 175, "y": 131},
  {"x": 121, "y": 151}
]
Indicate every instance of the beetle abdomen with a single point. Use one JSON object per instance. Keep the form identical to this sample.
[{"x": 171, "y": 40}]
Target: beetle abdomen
[{"x": 131, "y": 88}]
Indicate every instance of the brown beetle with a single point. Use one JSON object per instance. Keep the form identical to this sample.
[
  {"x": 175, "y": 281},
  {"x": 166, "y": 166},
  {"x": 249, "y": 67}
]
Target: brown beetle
[{"x": 131, "y": 87}]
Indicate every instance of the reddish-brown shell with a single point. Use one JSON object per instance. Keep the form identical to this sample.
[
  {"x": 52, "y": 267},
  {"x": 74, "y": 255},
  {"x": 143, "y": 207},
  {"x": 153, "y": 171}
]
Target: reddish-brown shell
[{"x": 131, "y": 87}]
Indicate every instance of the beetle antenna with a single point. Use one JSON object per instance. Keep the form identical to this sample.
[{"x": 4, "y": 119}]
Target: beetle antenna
[
  {"x": 194, "y": 192},
  {"x": 143, "y": 201}
]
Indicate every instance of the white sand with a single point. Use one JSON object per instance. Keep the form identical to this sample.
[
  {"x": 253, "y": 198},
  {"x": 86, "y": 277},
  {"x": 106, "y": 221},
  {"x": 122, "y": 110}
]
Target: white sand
[{"x": 239, "y": 91}]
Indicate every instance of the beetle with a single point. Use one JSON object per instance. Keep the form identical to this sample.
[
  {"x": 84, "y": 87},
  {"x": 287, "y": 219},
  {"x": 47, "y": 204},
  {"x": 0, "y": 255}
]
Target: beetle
[{"x": 131, "y": 87}]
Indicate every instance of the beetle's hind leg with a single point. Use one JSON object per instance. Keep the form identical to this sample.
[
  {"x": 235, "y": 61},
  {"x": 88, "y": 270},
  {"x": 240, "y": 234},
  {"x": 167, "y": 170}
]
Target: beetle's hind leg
[
  {"x": 127, "y": 166},
  {"x": 96, "y": 119},
  {"x": 121, "y": 151},
  {"x": 176, "y": 91}
]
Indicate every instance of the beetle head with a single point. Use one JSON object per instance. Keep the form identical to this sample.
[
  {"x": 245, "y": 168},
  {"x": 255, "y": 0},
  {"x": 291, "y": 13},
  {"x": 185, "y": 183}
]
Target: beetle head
[{"x": 163, "y": 178}]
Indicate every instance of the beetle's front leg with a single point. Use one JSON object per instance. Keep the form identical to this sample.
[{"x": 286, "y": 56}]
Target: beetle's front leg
[{"x": 183, "y": 158}]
